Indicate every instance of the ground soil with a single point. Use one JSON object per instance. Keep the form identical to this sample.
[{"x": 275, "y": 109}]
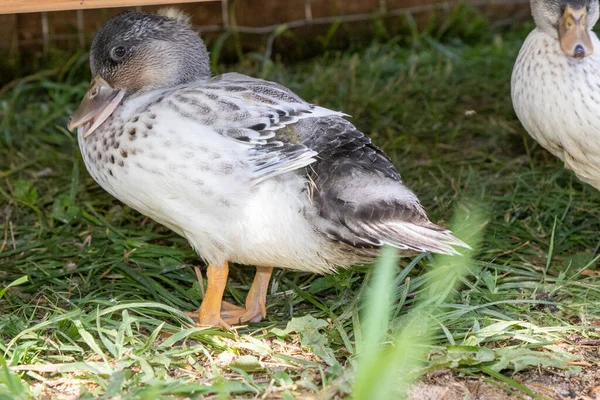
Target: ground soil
[{"x": 548, "y": 383}]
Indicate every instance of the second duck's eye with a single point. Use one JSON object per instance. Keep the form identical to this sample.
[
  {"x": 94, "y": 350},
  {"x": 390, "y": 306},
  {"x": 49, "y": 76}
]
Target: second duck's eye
[{"x": 118, "y": 52}]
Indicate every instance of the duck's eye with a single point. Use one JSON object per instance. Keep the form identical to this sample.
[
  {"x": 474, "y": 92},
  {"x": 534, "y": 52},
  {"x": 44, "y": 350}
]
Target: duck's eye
[{"x": 118, "y": 52}]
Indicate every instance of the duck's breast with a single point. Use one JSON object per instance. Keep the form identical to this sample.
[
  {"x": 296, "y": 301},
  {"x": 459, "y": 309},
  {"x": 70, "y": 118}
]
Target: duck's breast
[
  {"x": 167, "y": 167},
  {"x": 557, "y": 99}
]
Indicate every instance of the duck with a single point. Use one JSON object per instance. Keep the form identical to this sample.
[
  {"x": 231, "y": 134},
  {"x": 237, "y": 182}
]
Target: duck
[
  {"x": 555, "y": 84},
  {"x": 243, "y": 168}
]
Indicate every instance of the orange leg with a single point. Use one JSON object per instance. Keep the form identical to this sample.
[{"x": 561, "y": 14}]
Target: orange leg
[
  {"x": 214, "y": 311},
  {"x": 256, "y": 300},
  {"x": 225, "y": 305},
  {"x": 210, "y": 309}
]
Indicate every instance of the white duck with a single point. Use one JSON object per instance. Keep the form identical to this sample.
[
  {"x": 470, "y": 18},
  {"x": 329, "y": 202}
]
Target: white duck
[
  {"x": 243, "y": 168},
  {"x": 556, "y": 84}
]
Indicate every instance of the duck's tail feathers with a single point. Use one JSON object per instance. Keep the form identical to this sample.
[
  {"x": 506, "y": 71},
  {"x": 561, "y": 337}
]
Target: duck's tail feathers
[{"x": 423, "y": 238}]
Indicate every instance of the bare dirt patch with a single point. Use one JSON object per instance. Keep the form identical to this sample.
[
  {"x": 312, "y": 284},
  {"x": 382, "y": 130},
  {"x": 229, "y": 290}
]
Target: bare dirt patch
[{"x": 548, "y": 383}]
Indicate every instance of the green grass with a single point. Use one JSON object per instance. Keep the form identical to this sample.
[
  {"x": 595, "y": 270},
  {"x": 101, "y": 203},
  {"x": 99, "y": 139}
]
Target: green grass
[{"x": 102, "y": 309}]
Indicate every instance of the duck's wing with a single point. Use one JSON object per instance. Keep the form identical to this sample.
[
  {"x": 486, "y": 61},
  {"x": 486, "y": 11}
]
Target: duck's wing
[
  {"x": 253, "y": 113},
  {"x": 358, "y": 195}
]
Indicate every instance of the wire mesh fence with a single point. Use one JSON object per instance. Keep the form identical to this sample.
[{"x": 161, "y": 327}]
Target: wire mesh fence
[{"x": 75, "y": 27}]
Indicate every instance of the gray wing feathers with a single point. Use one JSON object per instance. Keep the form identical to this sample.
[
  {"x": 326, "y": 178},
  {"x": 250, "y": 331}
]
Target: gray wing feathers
[
  {"x": 250, "y": 111},
  {"x": 359, "y": 196},
  {"x": 277, "y": 158}
]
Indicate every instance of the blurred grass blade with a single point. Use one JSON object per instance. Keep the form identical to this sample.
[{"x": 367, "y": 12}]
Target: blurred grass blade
[
  {"x": 11, "y": 387},
  {"x": 377, "y": 311},
  {"x": 384, "y": 373}
]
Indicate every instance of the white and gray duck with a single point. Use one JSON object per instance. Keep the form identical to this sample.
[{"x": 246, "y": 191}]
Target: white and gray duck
[
  {"x": 243, "y": 168},
  {"x": 556, "y": 84}
]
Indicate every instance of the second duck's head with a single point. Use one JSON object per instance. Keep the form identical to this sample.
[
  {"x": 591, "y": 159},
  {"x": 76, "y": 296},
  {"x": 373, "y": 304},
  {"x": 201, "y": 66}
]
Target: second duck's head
[
  {"x": 137, "y": 52},
  {"x": 569, "y": 21}
]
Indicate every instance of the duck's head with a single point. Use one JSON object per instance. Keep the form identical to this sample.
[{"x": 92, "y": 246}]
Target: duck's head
[
  {"x": 569, "y": 21},
  {"x": 136, "y": 52}
]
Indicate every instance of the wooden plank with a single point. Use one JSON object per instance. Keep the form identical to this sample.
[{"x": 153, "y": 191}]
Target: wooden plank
[
  {"x": 27, "y": 6},
  {"x": 8, "y": 31}
]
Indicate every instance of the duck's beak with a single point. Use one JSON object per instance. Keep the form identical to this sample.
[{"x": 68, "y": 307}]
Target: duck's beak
[
  {"x": 97, "y": 105},
  {"x": 573, "y": 33}
]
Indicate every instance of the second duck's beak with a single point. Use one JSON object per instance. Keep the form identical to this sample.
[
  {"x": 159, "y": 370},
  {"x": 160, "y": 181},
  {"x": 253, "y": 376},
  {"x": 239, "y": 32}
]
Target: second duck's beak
[
  {"x": 573, "y": 33},
  {"x": 97, "y": 105}
]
